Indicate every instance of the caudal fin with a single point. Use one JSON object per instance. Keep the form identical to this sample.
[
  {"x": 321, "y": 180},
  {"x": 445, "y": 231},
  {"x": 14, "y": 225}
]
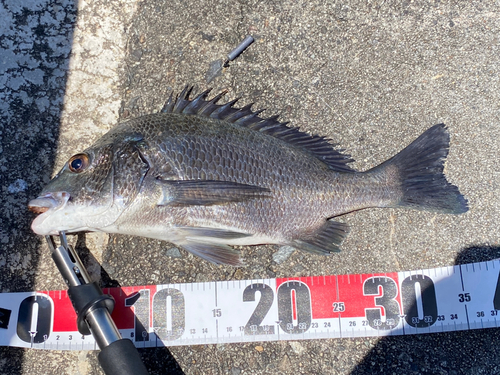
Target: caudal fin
[{"x": 419, "y": 169}]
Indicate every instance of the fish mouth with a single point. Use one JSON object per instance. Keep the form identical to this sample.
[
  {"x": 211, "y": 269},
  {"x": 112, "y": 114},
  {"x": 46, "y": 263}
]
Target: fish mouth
[
  {"x": 38, "y": 209},
  {"x": 48, "y": 202}
]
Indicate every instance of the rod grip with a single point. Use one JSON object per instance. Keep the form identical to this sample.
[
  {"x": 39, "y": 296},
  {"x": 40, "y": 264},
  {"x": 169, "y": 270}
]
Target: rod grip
[{"x": 122, "y": 358}]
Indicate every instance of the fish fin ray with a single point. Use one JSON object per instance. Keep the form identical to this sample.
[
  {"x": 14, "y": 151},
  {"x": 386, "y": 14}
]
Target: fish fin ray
[
  {"x": 326, "y": 240},
  {"x": 214, "y": 253},
  {"x": 182, "y": 100},
  {"x": 318, "y": 147},
  {"x": 169, "y": 105},
  {"x": 207, "y": 192},
  {"x": 418, "y": 170}
]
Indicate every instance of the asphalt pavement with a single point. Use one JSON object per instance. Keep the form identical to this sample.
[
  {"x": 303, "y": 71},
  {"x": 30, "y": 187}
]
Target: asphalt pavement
[{"x": 370, "y": 75}]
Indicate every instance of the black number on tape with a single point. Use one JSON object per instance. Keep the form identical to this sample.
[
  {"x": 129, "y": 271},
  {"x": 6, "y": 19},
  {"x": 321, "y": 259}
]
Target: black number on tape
[
  {"x": 4, "y": 318},
  {"x": 338, "y": 307},
  {"x": 169, "y": 314},
  {"x": 496, "y": 297},
  {"x": 140, "y": 302},
  {"x": 418, "y": 292},
  {"x": 34, "y": 321},
  {"x": 302, "y": 306},
  {"x": 464, "y": 297},
  {"x": 253, "y": 326},
  {"x": 386, "y": 301}
]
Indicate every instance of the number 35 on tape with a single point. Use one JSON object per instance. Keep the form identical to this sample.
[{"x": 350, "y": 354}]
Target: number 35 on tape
[{"x": 400, "y": 303}]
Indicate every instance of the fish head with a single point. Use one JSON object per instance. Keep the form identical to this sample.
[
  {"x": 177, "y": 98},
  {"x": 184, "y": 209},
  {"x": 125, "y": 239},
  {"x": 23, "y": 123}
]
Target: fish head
[{"x": 93, "y": 188}]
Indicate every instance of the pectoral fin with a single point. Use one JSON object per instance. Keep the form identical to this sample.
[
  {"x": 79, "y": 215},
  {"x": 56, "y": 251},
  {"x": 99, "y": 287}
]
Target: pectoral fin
[
  {"x": 327, "y": 239},
  {"x": 204, "y": 233},
  {"x": 207, "y": 192}
]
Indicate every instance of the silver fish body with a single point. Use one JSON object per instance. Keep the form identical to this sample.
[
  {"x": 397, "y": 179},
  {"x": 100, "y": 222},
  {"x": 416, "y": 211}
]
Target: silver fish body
[{"x": 207, "y": 176}]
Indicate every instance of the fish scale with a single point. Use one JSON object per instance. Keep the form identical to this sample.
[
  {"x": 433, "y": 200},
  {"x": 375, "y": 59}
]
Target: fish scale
[
  {"x": 207, "y": 177},
  {"x": 264, "y": 171}
]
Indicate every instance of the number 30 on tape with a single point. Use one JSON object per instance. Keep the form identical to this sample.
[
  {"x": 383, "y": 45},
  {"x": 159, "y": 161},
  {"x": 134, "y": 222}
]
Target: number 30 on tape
[{"x": 436, "y": 300}]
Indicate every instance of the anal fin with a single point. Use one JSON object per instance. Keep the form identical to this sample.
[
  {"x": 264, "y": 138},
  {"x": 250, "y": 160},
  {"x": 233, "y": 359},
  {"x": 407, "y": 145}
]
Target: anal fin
[{"x": 327, "y": 239}]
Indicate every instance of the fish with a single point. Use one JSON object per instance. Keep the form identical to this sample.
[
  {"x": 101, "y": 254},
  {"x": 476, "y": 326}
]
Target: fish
[{"x": 208, "y": 177}]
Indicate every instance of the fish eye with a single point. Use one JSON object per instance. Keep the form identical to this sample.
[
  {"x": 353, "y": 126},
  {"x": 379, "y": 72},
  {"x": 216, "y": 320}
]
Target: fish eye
[{"x": 78, "y": 163}]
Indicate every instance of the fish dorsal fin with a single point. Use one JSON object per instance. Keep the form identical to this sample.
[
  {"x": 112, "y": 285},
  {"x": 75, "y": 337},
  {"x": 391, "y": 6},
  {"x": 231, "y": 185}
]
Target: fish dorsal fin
[{"x": 317, "y": 146}]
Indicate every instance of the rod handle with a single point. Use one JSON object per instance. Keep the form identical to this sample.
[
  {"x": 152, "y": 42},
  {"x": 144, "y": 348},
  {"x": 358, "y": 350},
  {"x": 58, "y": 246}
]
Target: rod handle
[{"x": 122, "y": 358}]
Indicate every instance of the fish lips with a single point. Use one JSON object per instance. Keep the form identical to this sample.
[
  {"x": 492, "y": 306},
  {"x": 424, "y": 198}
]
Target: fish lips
[{"x": 45, "y": 205}]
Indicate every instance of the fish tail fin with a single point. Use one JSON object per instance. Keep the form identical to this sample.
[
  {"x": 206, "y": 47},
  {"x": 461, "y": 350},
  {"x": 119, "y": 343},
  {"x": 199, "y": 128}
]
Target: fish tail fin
[{"x": 419, "y": 170}]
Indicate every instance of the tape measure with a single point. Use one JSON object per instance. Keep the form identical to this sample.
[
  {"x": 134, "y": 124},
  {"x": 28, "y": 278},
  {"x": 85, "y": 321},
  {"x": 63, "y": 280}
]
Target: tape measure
[{"x": 443, "y": 299}]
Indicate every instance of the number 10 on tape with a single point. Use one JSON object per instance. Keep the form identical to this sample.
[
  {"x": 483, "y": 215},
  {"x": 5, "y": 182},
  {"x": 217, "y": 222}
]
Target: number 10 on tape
[{"x": 436, "y": 300}]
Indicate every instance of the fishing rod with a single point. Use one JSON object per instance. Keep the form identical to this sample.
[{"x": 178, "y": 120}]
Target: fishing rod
[{"x": 93, "y": 308}]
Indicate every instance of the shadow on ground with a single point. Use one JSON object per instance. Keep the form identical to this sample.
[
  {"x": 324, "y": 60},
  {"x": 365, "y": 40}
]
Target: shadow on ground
[{"x": 423, "y": 354}]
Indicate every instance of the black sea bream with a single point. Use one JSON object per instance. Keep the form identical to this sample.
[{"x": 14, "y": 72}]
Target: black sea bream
[{"x": 206, "y": 176}]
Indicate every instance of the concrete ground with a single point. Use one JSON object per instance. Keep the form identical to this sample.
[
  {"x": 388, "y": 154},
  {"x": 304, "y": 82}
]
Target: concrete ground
[{"x": 370, "y": 75}]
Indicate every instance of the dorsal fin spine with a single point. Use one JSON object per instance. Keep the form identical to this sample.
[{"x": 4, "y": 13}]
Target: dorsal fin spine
[
  {"x": 194, "y": 106},
  {"x": 317, "y": 146},
  {"x": 235, "y": 116},
  {"x": 182, "y": 100},
  {"x": 169, "y": 105}
]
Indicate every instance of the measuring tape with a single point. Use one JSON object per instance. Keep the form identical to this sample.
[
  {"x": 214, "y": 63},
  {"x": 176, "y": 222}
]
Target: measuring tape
[{"x": 443, "y": 299}]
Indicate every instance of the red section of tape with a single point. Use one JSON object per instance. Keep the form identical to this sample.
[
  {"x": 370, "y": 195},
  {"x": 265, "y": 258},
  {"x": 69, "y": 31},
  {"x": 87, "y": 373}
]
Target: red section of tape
[
  {"x": 123, "y": 315},
  {"x": 344, "y": 295},
  {"x": 64, "y": 314}
]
